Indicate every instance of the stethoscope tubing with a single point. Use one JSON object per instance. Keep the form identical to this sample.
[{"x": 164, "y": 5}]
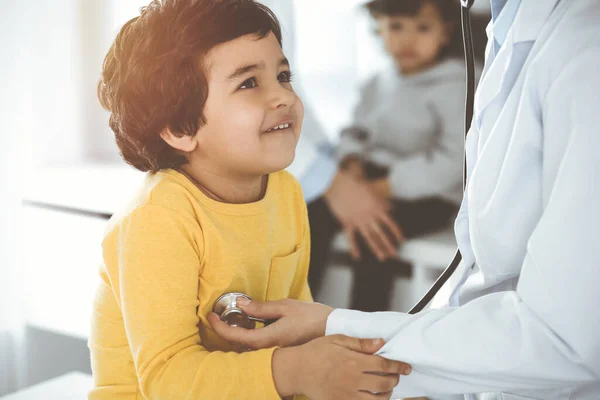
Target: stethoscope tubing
[{"x": 469, "y": 104}]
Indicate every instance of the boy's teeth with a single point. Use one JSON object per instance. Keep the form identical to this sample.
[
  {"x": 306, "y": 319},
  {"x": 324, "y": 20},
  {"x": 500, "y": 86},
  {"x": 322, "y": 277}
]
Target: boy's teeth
[{"x": 279, "y": 127}]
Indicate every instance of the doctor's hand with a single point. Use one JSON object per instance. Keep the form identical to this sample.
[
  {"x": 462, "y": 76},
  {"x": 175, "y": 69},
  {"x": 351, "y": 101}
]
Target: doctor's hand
[
  {"x": 298, "y": 322},
  {"x": 336, "y": 367},
  {"x": 361, "y": 211}
]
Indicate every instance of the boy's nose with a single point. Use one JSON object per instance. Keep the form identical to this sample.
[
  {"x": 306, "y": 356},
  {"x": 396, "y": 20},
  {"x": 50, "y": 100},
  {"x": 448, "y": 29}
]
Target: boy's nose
[{"x": 281, "y": 97}]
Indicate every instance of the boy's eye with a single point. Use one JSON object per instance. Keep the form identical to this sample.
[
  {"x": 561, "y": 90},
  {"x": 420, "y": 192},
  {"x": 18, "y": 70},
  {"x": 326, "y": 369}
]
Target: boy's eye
[
  {"x": 249, "y": 84},
  {"x": 285, "y": 76},
  {"x": 423, "y": 28}
]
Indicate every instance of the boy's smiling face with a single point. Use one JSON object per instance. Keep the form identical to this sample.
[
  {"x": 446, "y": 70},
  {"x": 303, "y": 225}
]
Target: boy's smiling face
[{"x": 249, "y": 94}]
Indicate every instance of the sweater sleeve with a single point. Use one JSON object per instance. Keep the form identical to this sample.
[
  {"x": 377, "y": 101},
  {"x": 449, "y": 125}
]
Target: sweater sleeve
[
  {"x": 439, "y": 169},
  {"x": 354, "y": 139},
  {"x": 159, "y": 261}
]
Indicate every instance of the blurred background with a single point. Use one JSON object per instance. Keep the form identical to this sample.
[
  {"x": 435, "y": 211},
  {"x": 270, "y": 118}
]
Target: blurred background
[{"x": 61, "y": 176}]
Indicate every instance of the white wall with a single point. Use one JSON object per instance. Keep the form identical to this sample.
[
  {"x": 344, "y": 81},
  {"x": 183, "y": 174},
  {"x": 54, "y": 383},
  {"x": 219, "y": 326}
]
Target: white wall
[
  {"x": 15, "y": 120},
  {"x": 96, "y": 33},
  {"x": 56, "y": 76},
  {"x": 67, "y": 40},
  {"x": 49, "y": 63}
]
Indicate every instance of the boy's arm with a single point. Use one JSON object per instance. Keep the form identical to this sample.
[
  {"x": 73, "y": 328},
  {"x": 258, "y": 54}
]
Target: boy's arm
[{"x": 157, "y": 285}]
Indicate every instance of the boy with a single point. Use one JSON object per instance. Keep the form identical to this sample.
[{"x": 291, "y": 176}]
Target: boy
[{"x": 200, "y": 97}]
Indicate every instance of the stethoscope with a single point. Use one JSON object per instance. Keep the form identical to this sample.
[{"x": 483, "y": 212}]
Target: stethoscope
[{"x": 226, "y": 305}]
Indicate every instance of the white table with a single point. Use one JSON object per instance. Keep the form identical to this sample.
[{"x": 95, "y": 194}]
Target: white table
[{"x": 72, "y": 386}]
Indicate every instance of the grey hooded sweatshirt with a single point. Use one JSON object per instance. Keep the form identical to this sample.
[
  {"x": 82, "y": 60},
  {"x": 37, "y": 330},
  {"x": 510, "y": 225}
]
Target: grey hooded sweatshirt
[{"x": 414, "y": 126}]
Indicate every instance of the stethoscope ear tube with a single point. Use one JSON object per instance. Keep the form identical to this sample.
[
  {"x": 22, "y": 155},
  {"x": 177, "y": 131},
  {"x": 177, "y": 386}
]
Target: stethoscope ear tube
[{"x": 470, "y": 62}]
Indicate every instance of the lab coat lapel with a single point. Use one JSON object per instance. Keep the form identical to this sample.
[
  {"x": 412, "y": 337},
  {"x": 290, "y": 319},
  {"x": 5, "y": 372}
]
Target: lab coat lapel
[
  {"x": 528, "y": 24},
  {"x": 531, "y": 18},
  {"x": 492, "y": 80}
]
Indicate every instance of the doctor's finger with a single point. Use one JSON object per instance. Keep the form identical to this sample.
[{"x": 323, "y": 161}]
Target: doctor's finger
[
  {"x": 255, "y": 338},
  {"x": 267, "y": 310}
]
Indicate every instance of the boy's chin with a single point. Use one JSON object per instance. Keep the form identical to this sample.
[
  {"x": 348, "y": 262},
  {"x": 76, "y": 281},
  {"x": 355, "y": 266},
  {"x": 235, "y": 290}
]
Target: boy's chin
[{"x": 278, "y": 163}]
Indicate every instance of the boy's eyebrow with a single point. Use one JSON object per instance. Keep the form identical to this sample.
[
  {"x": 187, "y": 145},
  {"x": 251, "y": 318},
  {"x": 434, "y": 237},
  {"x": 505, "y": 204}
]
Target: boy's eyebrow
[{"x": 248, "y": 68}]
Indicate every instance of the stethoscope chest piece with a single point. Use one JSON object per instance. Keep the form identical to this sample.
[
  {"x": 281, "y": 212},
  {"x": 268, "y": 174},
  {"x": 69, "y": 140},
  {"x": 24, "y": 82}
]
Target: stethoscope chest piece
[{"x": 226, "y": 307}]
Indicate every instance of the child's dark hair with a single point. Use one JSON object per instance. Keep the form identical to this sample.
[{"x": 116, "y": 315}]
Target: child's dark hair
[
  {"x": 154, "y": 77},
  {"x": 449, "y": 10}
]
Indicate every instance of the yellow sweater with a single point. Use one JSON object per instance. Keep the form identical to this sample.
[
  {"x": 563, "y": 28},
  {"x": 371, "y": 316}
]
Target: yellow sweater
[{"x": 167, "y": 258}]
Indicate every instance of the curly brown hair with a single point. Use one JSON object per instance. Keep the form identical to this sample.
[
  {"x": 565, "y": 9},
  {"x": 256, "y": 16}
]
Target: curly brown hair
[{"x": 154, "y": 77}]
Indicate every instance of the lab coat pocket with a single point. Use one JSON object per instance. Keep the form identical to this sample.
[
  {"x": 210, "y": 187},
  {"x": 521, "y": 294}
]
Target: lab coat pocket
[{"x": 281, "y": 276}]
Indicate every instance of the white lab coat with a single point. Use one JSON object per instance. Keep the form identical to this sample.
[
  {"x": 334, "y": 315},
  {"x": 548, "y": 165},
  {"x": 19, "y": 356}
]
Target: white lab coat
[{"x": 523, "y": 320}]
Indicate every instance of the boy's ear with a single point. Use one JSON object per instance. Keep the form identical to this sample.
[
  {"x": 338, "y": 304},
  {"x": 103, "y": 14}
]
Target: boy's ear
[{"x": 183, "y": 143}]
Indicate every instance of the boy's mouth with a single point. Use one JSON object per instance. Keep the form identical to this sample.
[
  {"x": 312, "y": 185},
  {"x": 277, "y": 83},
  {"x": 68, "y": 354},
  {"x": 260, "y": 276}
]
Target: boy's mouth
[{"x": 280, "y": 126}]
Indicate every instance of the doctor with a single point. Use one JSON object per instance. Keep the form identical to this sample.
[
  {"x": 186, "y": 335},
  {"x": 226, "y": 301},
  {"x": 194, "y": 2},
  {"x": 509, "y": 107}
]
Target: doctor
[{"x": 522, "y": 319}]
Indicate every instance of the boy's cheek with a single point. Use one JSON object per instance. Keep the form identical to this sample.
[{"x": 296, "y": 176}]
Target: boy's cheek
[{"x": 299, "y": 117}]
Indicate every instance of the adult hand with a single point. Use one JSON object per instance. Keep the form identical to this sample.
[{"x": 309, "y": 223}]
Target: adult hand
[
  {"x": 336, "y": 367},
  {"x": 297, "y": 322},
  {"x": 360, "y": 210},
  {"x": 354, "y": 166},
  {"x": 381, "y": 187}
]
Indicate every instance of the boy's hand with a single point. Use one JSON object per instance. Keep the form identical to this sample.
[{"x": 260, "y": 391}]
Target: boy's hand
[
  {"x": 336, "y": 367},
  {"x": 297, "y": 322},
  {"x": 360, "y": 210}
]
